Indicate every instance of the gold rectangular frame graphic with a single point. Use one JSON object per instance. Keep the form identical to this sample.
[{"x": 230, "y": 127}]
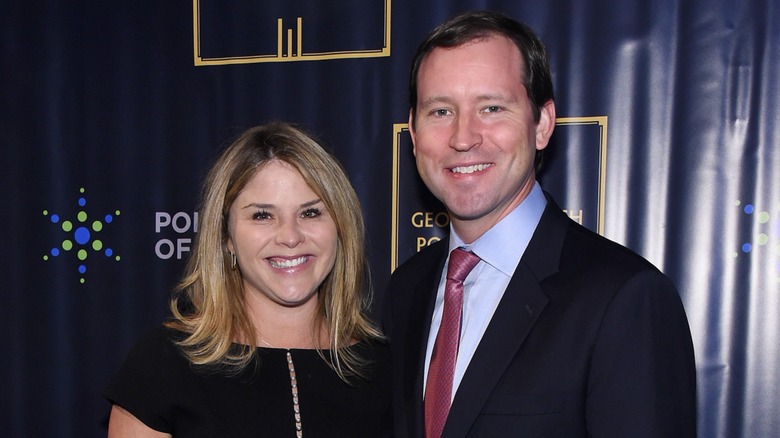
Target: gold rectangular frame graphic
[
  {"x": 398, "y": 128},
  {"x": 279, "y": 56},
  {"x": 601, "y": 121}
]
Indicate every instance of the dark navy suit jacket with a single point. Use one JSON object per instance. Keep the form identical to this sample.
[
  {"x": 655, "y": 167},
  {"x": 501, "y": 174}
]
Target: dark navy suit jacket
[{"x": 589, "y": 340}]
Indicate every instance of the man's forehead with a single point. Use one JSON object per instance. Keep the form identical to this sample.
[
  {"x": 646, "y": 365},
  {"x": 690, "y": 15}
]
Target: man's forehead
[{"x": 510, "y": 45}]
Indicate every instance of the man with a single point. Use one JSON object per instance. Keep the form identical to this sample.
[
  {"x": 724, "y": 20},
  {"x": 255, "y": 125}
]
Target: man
[{"x": 562, "y": 332}]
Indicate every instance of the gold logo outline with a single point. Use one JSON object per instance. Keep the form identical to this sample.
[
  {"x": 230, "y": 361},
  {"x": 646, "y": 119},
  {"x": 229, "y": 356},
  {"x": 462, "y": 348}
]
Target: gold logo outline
[{"x": 290, "y": 55}]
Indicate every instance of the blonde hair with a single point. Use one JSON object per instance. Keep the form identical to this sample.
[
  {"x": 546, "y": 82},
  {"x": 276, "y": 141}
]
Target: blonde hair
[{"x": 208, "y": 303}]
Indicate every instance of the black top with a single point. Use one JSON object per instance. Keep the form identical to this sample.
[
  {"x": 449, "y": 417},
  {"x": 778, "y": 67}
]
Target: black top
[{"x": 159, "y": 386}]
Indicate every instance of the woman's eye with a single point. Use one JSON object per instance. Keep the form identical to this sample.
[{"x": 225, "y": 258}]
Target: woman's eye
[
  {"x": 261, "y": 215},
  {"x": 311, "y": 213}
]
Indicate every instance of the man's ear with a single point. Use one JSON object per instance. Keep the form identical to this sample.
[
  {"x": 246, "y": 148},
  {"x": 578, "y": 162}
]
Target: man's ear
[
  {"x": 412, "y": 133},
  {"x": 546, "y": 125}
]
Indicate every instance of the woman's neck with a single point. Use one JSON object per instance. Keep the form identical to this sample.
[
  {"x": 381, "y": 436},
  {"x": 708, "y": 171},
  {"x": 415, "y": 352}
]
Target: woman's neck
[{"x": 299, "y": 327}]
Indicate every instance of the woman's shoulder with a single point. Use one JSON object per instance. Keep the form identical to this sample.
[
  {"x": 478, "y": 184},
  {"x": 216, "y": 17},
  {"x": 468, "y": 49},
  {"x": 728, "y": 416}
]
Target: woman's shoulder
[
  {"x": 151, "y": 378},
  {"x": 155, "y": 355},
  {"x": 375, "y": 354},
  {"x": 159, "y": 340},
  {"x": 373, "y": 346}
]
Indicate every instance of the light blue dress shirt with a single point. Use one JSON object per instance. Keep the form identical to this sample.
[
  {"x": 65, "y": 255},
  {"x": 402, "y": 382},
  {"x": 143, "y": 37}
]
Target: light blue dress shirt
[{"x": 500, "y": 249}]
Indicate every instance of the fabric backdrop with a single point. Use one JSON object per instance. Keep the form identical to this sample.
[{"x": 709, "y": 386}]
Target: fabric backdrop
[{"x": 111, "y": 112}]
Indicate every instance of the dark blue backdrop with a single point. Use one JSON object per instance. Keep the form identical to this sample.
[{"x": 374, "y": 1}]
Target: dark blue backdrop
[{"x": 111, "y": 112}]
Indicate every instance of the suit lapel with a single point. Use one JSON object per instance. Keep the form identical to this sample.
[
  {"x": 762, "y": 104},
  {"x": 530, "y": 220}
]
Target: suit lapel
[
  {"x": 422, "y": 302},
  {"x": 519, "y": 308}
]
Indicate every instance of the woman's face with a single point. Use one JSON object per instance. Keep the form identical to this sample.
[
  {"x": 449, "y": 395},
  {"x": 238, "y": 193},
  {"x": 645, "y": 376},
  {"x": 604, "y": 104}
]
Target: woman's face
[{"x": 283, "y": 236}]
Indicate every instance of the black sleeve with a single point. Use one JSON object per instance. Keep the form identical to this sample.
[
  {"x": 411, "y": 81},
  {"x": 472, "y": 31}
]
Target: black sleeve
[
  {"x": 643, "y": 378},
  {"x": 149, "y": 381}
]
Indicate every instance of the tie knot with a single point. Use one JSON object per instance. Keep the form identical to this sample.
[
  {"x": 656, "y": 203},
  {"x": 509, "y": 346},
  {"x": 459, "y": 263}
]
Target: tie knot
[{"x": 461, "y": 263}]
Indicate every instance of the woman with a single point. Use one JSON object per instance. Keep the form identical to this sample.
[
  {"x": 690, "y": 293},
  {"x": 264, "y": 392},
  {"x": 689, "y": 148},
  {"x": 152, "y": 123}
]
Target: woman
[{"x": 268, "y": 335}]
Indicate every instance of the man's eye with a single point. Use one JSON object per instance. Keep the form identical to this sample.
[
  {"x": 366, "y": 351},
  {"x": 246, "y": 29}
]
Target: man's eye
[
  {"x": 440, "y": 112},
  {"x": 311, "y": 213},
  {"x": 493, "y": 109}
]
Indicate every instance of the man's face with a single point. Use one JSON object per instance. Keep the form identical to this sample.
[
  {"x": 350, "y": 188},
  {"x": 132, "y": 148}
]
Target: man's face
[{"x": 474, "y": 134}]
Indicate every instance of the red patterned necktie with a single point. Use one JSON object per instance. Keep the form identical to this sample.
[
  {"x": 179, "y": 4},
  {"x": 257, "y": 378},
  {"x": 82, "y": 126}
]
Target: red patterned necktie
[{"x": 438, "y": 390}]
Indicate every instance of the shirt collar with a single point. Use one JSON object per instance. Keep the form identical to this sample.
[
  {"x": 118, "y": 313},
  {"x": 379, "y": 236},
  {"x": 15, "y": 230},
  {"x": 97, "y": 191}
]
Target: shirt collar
[{"x": 503, "y": 245}]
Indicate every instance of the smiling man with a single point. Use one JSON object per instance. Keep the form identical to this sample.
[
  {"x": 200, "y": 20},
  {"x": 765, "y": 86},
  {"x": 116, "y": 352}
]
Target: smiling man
[{"x": 522, "y": 323}]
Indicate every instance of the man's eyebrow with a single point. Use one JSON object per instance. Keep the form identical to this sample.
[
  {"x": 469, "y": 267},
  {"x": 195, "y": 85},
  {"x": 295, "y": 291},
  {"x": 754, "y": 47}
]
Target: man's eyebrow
[
  {"x": 435, "y": 100},
  {"x": 497, "y": 96}
]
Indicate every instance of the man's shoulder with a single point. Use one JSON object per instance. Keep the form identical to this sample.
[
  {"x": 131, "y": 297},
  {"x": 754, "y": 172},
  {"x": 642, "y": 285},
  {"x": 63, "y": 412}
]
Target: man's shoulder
[
  {"x": 423, "y": 260},
  {"x": 562, "y": 246},
  {"x": 584, "y": 246}
]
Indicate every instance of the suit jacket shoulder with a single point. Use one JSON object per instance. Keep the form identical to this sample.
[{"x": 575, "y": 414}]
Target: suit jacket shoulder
[{"x": 560, "y": 245}]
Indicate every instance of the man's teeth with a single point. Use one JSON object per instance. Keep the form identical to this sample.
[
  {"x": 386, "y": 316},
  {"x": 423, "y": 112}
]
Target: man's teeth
[
  {"x": 470, "y": 169},
  {"x": 287, "y": 263}
]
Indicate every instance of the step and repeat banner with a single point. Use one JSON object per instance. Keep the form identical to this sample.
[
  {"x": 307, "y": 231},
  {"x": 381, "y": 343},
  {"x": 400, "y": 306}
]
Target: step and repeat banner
[{"x": 111, "y": 113}]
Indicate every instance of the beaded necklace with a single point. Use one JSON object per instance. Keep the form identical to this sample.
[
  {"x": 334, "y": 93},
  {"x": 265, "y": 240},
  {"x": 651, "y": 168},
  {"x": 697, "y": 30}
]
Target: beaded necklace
[{"x": 294, "y": 387}]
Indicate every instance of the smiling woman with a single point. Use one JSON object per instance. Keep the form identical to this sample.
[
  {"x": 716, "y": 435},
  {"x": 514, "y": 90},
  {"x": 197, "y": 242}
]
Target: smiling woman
[
  {"x": 269, "y": 334},
  {"x": 285, "y": 242}
]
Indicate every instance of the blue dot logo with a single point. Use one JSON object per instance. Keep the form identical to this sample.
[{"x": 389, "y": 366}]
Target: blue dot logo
[
  {"x": 765, "y": 233},
  {"x": 81, "y": 237}
]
